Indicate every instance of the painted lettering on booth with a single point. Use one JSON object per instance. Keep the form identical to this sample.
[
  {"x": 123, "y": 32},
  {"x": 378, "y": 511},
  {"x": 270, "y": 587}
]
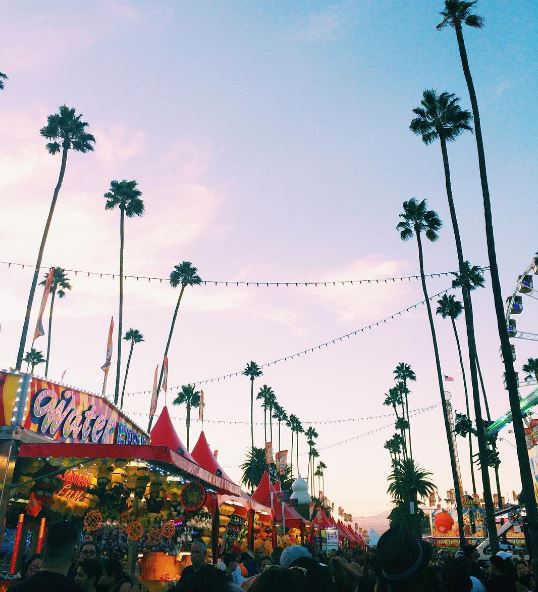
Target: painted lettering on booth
[{"x": 55, "y": 414}]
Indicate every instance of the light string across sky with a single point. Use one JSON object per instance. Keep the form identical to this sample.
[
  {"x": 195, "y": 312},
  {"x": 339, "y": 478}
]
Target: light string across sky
[
  {"x": 234, "y": 283},
  {"x": 387, "y": 426},
  {"x": 305, "y": 351}
]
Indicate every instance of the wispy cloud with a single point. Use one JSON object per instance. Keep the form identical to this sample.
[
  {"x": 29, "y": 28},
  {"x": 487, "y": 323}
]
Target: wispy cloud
[{"x": 330, "y": 24}]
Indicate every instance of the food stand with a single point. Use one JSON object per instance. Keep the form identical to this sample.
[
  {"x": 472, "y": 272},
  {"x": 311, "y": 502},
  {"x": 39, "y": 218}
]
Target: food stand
[{"x": 68, "y": 453}]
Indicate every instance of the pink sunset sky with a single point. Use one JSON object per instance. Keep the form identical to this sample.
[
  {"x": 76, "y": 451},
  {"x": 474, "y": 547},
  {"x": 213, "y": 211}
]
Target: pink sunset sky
[{"x": 271, "y": 143}]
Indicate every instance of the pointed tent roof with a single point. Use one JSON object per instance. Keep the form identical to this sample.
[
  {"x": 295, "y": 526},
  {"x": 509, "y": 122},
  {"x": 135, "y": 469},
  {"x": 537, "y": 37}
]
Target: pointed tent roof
[
  {"x": 164, "y": 434},
  {"x": 206, "y": 459},
  {"x": 292, "y": 516},
  {"x": 264, "y": 490},
  {"x": 321, "y": 519}
]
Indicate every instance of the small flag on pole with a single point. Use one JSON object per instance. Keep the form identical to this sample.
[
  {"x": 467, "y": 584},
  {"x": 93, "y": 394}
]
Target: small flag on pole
[
  {"x": 108, "y": 359},
  {"x": 39, "y": 330},
  {"x": 201, "y": 407},
  {"x": 154, "y": 393},
  {"x": 165, "y": 375},
  {"x": 269, "y": 453},
  {"x": 216, "y": 453},
  {"x": 281, "y": 461},
  {"x": 448, "y": 378}
]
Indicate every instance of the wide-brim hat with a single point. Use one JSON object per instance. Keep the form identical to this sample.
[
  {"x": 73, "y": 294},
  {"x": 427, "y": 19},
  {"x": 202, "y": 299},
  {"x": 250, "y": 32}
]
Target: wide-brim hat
[{"x": 401, "y": 556}]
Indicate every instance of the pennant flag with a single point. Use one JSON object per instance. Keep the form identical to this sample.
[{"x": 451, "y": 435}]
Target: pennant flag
[
  {"x": 39, "y": 330},
  {"x": 165, "y": 374},
  {"x": 63, "y": 376},
  {"x": 269, "y": 453},
  {"x": 201, "y": 407},
  {"x": 281, "y": 461},
  {"x": 108, "y": 359},
  {"x": 154, "y": 393},
  {"x": 448, "y": 378},
  {"x": 215, "y": 453}
]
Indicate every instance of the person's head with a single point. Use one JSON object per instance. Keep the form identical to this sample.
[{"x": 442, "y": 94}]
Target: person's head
[
  {"x": 292, "y": 553},
  {"x": 198, "y": 554},
  {"x": 470, "y": 552},
  {"x": 318, "y": 578},
  {"x": 498, "y": 565},
  {"x": 230, "y": 561},
  {"x": 33, "y": 564},
  {"x": 88, "y": 550},
  {"x": 522, "y": 569},
  {"x": 89, "y": 572},
  {"x": 455, "y": 576},
  {"x": 112, "y": 574},
  {"x": 403, "y": 560},
  {"x": 264, "y": 562},
  {"x": 279, "y": 579},
  {"x": 59, "y": 547}
]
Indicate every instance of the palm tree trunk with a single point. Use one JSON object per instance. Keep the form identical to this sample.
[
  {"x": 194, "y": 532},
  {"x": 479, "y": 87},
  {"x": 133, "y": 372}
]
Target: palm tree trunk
[
  {"x": 53, "y": 296},
  {"x": 126, "y": 373},
  {"x": 511, "y": 380},
  {"x": 120, "y": 312},
  {"x": 265, "y": 425},
  {"x": 24, "y": 334},
  {"x": 279, "y": 436},
  {"x": 488, "y": 415},
  {"x": 471, "y": 343},
  {"x": 252, "y": 412},
  {"x": 455, "y": 476},
  {"x": 297, "y": 451},
  {"x": 291, "y": 455},
  {"x": 271, "y": 423},
  {"x": 161, "y": 374},
  {"x": 408, "y": 423},
  {"x": 466, "y": 401},
  {"x": 188, "y": 422}
]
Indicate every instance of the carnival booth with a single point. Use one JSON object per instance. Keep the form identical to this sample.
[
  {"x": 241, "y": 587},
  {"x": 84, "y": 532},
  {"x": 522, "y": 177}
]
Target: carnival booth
[
  {"x": 290, "y": 524},
  {"x": 328, "y": 532},
  {"x": 68, "y": 453},
  {"x": 238, "y": 519}
]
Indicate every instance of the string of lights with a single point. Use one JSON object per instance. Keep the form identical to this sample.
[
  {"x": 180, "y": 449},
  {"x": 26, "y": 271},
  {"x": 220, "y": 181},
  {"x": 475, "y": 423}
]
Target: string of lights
[
  {"x": 358, "y": 436},
  {"x": 242, "y": 283},
  {"x": 304, "y": 352},
  {"x": 260, "y": 423}
]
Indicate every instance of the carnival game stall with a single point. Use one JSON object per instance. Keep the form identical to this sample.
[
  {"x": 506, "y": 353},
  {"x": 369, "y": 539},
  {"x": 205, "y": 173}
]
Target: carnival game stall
[
  {"x": 66, "y": 452},
  {"x": 326, "y": 531}
]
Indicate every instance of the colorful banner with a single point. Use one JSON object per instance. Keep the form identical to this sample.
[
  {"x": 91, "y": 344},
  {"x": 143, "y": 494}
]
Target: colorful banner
[
  {"x": 201, "y": 407},
  {"x": 445, "y": 524},
  {"x": 281, "y": 461},
  {"x": 39, "y": 330},
  {"x": 9, "y": 383},
  {"x": 269, "y": 453},
  {"x": 67, "y": 415},
  {"x": 108, "y": 359},
  {"x": 165, "y": 374},
  {"x": 154, "y": 393}
]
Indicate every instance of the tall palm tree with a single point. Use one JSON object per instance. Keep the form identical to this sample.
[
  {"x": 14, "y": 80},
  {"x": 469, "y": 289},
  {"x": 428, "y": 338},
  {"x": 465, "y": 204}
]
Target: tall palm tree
[
  {"x": 298, "y": 430},
  {"x": 184, "y": 274},
  {"x": 280, "y": 415},
  {"x": 394, "y": 399},
  {"x": 67, "y": 131},
  {"x": 3, "y": 77},
  {"x": 322, "y": 466},
  {"x": 456, "y": 14},
  {"x": 262, "y": 397},
  {"x": 318, "y": 473},
  {"x": 190, "y": 397},
  {"x": 311, "y": 436},
  {"x": 450, "y": 308},
  {"x": 417, "y": 220},
  {"x": 531, "y": 368},
  {"x": 314, "y": 454},
  {"x": 402, "y": 373},
  {"x": 291, "y": 423},
  {"x": 270, "y": 402},
  {"x": 252, "y": 371},
  {"x": 33, "y": 358},
  {"x": 125, "y": 196},
  {"x": 440, "y": 117},
  {"x": 133, "y": 336},
  {"x": 60, "y": 285}
]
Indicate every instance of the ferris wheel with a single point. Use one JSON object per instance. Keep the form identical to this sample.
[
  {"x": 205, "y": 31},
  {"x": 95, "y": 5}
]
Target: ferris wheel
[{"x": 517, "y": 304}]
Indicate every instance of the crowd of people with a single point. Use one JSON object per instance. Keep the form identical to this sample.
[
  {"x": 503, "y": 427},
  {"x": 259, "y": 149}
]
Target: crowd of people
[{"x": 400, "y": 563}]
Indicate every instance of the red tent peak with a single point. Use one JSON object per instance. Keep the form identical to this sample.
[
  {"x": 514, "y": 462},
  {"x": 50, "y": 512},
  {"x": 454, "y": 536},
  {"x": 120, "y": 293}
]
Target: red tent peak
[
  {"x": 264, "y": 490},
  {"x": 164, "y": 434},
  {"x": 206, "y": 459}
]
